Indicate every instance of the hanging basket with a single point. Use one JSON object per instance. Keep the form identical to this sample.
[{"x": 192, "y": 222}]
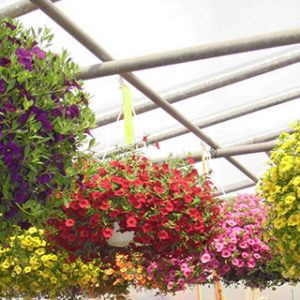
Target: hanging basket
[{"x": 120, "y": 239}]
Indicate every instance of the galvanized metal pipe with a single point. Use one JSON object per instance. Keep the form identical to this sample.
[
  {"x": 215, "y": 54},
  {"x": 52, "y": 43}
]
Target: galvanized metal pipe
[
  {"x": 219, "y": 80},
  {"x": 226, "y": 151},
  {"x": 18, "y": 9},
  {"x": 267, "y": 102},
  {"x": 235, "y": 187},
  {"x": 257, "y": 42},
  {"x": 102, "y": 54}
]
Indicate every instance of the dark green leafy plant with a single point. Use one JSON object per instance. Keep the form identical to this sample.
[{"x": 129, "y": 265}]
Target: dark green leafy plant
[{"x": 44, "y": 118}]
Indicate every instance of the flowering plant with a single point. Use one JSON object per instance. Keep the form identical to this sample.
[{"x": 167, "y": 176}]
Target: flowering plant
[
  {"x": 170, "y": 210},
  {"x": 29, "y": 268},
  {"x": 240, "y": 247},
  {"x": 119, "y": 274},
  {"x": 175, "y": 274},
  {"x": 280, "y": 186},
  {"x": 44, "y": 116}
]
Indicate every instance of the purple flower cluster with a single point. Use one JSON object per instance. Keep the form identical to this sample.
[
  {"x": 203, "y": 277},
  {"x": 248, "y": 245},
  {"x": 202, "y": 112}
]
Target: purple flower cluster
[{"x": 34, "y": 151}]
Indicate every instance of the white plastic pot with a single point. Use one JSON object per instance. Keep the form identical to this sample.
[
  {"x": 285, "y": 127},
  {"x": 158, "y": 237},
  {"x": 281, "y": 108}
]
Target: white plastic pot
[{"x": 120, "y": 239}]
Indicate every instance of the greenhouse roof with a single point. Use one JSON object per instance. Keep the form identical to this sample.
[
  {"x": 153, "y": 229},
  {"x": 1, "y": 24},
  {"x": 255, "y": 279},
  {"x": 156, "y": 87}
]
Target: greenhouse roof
[{"x": 206, "y": 76}]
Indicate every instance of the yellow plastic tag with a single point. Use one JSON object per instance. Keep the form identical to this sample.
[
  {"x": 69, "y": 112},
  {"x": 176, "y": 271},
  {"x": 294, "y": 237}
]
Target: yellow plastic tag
[{"x": 128, "y": 124}]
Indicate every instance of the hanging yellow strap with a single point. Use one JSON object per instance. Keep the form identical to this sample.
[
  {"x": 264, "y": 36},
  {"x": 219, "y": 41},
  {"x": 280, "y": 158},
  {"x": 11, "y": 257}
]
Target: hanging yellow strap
[
  {"x": 127, "y": 106},
  {"x": 204, "y": 160}
]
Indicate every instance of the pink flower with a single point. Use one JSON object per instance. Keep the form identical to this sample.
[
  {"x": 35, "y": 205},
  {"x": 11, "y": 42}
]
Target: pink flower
[
  {"x": 232, "y": 247},
  {"x": 243, "y": 245},
  {"x": 184, "y": 267},
  {"x": 226, "y": 268},
  {"x": 231, "y": 223},
  {"x": 187, "y": 273},
  {"x": 245, "y": 254},
  {"x": 257, "y": 256},
  {"x": 241, "y": 263},
  {"x": 251, "y": 263},
  {"x": 219, "y": 247},
  {"x": 205, "y": 258},
  {"x": 225, "y": 253},
  {"x": 250, "y": 242}
]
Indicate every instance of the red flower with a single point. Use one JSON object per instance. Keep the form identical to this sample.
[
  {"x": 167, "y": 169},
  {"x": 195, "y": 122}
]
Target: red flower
[
  {"x": 74, "y": 205},
  {"x": 83, "y": 203},
  {"x": 105, "y": 205},
  {"x": 108, "y": 232},
  {"x": 157, "y": 145},
  {"x": 163, "y": 235},
  {"x": 102, "y": 172},
  {"x": 94, "y": 220},
  {"x": 84, "y": 233},
  {"x": 169, "y": 207},
  {"x": 187, "y": 198},
  {"x": 190, "y": 160},
  {"x": 147, "y": 227},
  {"x": 131, "y": 222},
  {"x": 69, "y": 222},
  {"x": 158, "y": 188},
  {"x": 145, "y": 138}
]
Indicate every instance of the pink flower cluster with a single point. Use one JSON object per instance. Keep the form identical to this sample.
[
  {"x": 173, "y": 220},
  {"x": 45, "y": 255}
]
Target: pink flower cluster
[
  {"x": 174, "y": 274},
  {"x": 239, "y": 246}
]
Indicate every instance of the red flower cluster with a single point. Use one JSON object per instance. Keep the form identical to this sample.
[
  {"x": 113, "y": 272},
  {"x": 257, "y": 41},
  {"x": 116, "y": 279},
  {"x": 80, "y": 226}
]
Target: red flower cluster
[{"x": 171, "y": 211}]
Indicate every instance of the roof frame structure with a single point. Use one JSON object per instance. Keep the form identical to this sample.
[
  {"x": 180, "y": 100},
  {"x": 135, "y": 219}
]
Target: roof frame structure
[
  {"x": 183, "y": 55},
  {"x": 66, "y": 23}
]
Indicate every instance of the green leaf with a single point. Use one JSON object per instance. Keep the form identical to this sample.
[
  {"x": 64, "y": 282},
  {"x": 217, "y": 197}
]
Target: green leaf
[{"x": 92, "y": 143}]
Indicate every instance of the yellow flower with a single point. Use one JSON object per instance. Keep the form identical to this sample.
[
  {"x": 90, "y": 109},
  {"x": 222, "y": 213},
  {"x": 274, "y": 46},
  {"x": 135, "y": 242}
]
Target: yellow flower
[
  {"x": 53, "y": 279},
  {"x": 40, "y": 251},
  {"x": 279, "y": 223},
  {"x": 293, "y": 220},
  {"x": 290, "y": 199},
  {"x": 32, "y": 230},
  {"x": 27, "y": 269},
  {"x": 84, "y": 268},
  {"x": 18, "y": 269},
  {"x": 293, "y": 245},
  {"x": 5, "y": 265}
]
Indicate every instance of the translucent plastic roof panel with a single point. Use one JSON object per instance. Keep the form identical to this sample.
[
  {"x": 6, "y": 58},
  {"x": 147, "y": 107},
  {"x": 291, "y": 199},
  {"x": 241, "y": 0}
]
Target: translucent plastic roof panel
[{"x": 232, "y": 90}]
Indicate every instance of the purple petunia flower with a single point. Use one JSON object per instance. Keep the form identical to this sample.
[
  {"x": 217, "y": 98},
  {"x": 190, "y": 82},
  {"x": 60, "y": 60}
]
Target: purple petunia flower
[
  {"x": 47, "y": 125},
  {"x": 11, "y": 149},
  {"x": 5, "y": 62},
  {"x": 75, "y": 83},
  {"x": 45, "y": 178},
  {"x": 39, "y": 52},
  {"x": 10, "y": 25},
  {"x": 9, "y": 107},
  {"x": 24, "y": 58},
  {"x": 10, "y": 213},
  {"x": 19, "y": 194},
  {"x": 87, "y": 131},
  {"x": 2, "y": 89},
  {"x": 72, "y": 111}
]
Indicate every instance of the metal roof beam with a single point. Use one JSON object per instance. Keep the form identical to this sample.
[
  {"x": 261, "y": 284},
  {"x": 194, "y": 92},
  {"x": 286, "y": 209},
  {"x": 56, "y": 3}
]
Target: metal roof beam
[
  {"x": 235, "y": 187},
  {"x": 218, "y": 80},
  {"x": 66, "y": 23},
  {"x": 267, "y": 102},
  {"x": 226, "y": 151},
  {"x": 18, "y": 9},
  {"x": 257, "y": 42}
]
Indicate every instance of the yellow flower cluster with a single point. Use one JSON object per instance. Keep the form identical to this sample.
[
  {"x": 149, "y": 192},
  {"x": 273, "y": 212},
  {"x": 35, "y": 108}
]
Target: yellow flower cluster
[
  {"x": 281, "y": 187},
  {"x": 28, "y": 267}
]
